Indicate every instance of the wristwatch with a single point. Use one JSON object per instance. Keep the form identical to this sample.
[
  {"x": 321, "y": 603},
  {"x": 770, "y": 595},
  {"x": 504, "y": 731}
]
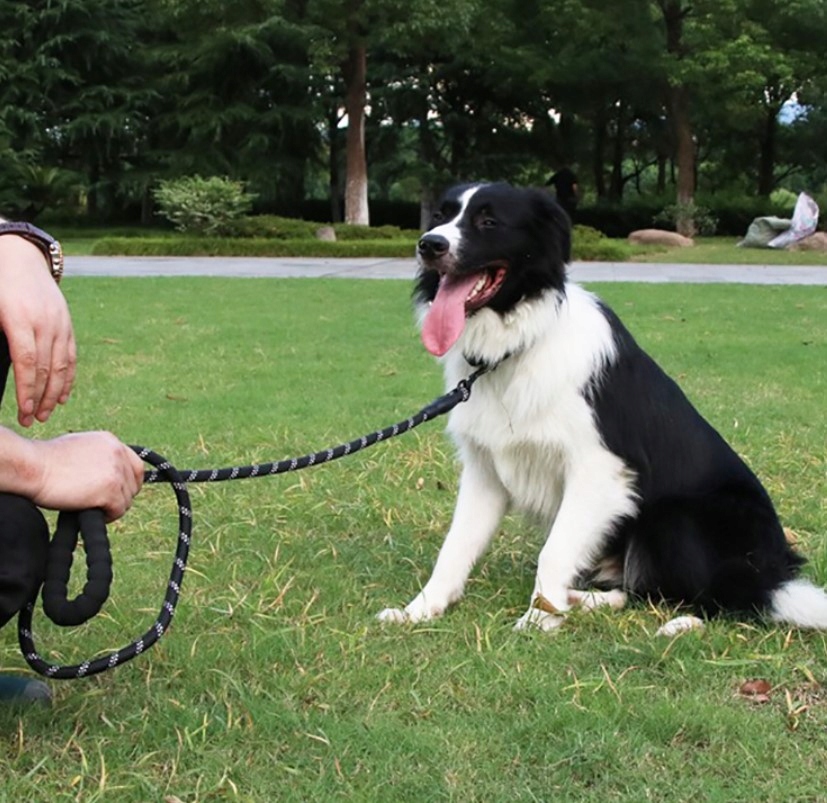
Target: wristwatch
[{"x": 45, "y": 242}]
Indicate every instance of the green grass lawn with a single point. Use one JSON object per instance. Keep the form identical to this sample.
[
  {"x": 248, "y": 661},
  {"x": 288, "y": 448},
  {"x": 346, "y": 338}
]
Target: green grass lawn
[{"x": 277, "y": 683}]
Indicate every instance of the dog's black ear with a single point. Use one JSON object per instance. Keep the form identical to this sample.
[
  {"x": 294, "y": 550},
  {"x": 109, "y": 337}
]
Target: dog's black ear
[{"x": 558, "y": 222}]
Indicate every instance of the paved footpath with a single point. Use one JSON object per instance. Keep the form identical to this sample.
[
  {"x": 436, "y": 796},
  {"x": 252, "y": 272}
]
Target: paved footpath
[{"x": 382, "y": 268}]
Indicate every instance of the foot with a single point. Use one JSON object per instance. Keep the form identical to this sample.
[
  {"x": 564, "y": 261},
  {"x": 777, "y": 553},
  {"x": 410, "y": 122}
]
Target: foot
[
  {"x": 18, "y": 690},
  {"x": 425, "y": 606},
  {"x": 534, "y": 618},
  {"x": 680, "y": 624}
]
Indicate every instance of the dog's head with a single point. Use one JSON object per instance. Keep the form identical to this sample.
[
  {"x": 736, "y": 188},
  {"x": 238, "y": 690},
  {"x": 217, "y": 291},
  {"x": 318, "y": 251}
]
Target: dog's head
[{"x": 488, "y": 246}]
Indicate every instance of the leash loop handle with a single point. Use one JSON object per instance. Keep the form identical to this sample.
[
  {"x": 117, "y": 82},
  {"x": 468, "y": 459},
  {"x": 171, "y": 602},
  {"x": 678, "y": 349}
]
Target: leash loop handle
[
  {"x": 90, "y": 525},
  {"x": 93, "y": 666}
]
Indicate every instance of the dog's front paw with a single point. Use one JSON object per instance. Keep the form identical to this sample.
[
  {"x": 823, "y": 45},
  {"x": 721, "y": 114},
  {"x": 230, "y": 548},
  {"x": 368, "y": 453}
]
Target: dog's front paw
[
  {"x": 394, "y": 616},
  {"x": 419, "y": 610},
  {"x": 542, "y": 620}
]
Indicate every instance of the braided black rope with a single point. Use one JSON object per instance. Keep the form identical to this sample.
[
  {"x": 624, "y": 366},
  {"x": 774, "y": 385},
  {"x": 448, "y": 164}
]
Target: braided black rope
[{"x": 97, "y": 588}]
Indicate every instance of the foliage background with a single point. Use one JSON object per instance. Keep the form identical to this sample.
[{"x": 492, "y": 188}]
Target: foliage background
[{"x": 100, "y": 100}]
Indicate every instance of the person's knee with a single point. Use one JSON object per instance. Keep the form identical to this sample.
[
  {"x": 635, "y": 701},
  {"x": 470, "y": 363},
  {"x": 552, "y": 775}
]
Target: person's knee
[{"x": 24, "y": 544}]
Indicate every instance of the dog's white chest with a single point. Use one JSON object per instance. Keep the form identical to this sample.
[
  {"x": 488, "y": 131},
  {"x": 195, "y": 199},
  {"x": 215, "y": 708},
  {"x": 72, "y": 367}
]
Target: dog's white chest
[
  {"x": 533, "y": 476},
  {"x": 530, "y": 440},
  {"x": 529, "y": 418}
]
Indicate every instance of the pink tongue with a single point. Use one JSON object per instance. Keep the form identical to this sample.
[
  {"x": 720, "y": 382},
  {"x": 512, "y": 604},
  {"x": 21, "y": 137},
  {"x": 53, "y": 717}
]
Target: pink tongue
[{"x": 445, "y": 319}]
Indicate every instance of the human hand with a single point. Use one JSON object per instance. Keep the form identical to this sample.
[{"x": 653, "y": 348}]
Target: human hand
[
  {"x": 35, "y": 319},
  {"x": 81, "y": 471}
]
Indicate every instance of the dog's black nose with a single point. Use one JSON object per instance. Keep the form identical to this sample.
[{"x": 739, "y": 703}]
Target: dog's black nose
[{"x": 432, "y": 246}]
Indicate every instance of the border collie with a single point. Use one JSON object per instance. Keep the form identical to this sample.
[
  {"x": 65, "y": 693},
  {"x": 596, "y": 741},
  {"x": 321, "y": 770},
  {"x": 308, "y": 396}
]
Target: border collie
[{"x": 576, "y": 425}]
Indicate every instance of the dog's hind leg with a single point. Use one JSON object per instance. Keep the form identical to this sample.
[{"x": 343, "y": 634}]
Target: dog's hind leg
[
  {"x": 481, "y": 504},
  {"x": 589, "y": 600}
]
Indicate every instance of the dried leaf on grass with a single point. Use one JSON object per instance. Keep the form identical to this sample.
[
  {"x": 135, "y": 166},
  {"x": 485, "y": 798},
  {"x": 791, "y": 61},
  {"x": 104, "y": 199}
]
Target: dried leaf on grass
[{"x": 756, "y": 690}]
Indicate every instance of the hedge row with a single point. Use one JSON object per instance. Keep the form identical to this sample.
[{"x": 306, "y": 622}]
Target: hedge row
[
  {"x": 249, "y": 247},
  {"x": 588, "y": 244},
  {"x": 284, "y": 228}
]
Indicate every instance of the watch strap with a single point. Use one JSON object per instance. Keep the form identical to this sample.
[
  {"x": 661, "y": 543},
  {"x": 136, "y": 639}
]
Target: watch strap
[{"x": 45, "y": 242}]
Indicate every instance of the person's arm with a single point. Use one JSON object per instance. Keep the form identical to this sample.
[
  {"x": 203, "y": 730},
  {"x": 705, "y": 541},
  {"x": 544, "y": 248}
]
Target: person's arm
[
  {"x": 36, "y": 321},
  {"x": 73, "y": 472}
]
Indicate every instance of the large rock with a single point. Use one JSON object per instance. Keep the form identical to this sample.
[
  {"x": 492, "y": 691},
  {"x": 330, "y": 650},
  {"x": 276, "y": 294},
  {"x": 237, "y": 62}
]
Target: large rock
[
  {"x": 660, "y": 237},
  {"x": 815, "y": 242}
]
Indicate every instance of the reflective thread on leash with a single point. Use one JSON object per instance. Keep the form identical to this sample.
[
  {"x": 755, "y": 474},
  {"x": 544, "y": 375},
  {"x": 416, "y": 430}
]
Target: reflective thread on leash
[{"x": 91, "y": 528}]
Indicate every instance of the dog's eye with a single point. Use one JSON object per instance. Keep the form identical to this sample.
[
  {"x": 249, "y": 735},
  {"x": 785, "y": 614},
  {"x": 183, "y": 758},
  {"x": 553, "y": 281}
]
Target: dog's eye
[
  {"x": 487, "y": 222},
  {"x": 437, "y": 217}
]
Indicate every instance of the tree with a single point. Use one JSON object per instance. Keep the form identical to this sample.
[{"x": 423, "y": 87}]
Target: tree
[
  {"x": 338, "y": 58},
  {"x": 75, "y": 97},
  {"x": 678, "y": 98},
  {"x": 356, "y": 30},
  {"x": 236, "y": 89}
]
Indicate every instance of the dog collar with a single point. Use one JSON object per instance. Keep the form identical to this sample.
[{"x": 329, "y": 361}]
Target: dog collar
[{"x": 478, "y": 362}]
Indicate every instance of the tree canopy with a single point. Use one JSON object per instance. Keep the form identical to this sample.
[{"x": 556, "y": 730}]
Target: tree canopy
[{"x": 346, "y": 100}]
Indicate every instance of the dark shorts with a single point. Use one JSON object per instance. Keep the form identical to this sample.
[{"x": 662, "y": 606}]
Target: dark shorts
[
  {"x": 24, "y": 542},
  {"x": 24, "y": 536}
]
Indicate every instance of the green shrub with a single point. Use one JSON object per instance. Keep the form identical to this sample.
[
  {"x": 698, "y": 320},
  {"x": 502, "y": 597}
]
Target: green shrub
[
  {"x": 346, "y": 231},
  {"x": 601, "y": 251},
  {"x": 586, "y": 234},
  {"x": 617, "y": 220},
  {"x": 250, "y": 247},
  {"x": 689, "y": 218},
  {"x": 284, "y": 228},
  {"x": 591, "y": 245},
  {"x": 588, "y": 244},
  {"x": 735, "y": 213},
  {"x": 208, "y": 206},
  {"x": 273, "y": 227}
]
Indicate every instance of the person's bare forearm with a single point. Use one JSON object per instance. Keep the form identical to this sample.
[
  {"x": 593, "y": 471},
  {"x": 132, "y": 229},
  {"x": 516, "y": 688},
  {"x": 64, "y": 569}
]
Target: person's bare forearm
[
  {"x": 72, "y": 472},
  {"x": 19, "y": 472}
]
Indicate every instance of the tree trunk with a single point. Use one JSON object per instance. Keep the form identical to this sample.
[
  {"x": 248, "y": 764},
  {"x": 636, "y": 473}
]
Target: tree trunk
[
  {"x": 618, "y": 143},
  {"x": 147, "y": 206},
  {"x": 684, "y": 144},
  {"x": 334, "y": 179},
  {"x": 354, "y": 71},
  {"x": 428, "y": 153},
  {"x": 661, "y": 180},
  {"x": 766, "y": 164},
  {"x": 678, "y": 101},
  {"x": 599, "y": 139}
]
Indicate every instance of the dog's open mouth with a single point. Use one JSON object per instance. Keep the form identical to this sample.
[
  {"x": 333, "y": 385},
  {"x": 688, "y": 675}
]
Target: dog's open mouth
[{"x": 456, "y": 298}]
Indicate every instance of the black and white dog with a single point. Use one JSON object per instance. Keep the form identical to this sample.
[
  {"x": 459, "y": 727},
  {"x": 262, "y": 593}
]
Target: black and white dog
[{"x": 576, "y": 425}]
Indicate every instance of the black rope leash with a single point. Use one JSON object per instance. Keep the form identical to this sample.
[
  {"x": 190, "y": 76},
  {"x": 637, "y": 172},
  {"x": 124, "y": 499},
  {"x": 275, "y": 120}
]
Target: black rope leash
[{"x": 89, "y": 525}]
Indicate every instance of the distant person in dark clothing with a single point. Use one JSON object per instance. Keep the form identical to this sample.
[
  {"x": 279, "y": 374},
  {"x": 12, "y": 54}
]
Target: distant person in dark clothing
[{"x": 564, "y": 182}]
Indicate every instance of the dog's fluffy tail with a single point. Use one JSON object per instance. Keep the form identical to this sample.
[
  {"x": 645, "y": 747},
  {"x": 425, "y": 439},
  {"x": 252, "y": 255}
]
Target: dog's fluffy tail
[{"x": 799, "y": 602}]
